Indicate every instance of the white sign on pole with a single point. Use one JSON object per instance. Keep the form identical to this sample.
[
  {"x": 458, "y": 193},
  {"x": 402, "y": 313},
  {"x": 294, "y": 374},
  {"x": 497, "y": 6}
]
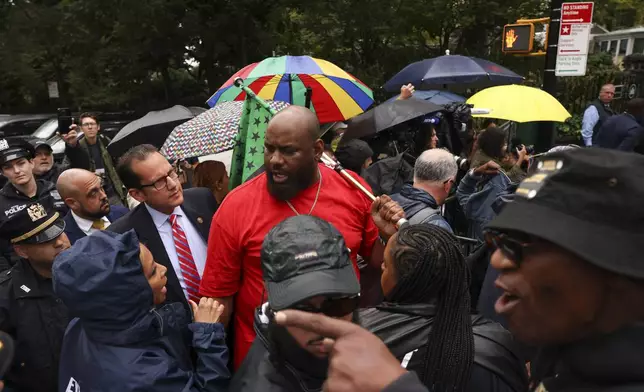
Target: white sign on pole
[
  {"x": 53, "y": 89},
  {"x": 574, "y": 35}
]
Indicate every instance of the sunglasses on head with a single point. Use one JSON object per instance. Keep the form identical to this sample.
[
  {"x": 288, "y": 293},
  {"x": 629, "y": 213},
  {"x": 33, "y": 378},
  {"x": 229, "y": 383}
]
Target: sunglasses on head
[
  {"x": 332, "y": 307},
  {"x": 511, "y": 245}
]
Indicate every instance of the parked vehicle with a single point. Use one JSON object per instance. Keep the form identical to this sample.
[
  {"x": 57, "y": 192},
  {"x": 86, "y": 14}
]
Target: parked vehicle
[{"x": 21, "y": 124}]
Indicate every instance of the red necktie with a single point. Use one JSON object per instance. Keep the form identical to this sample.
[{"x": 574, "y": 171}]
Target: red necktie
[{"x": 186, "y": 262}]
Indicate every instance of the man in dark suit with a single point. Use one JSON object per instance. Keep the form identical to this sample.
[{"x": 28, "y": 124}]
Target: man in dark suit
[
  {"x": 172, "y": 223},
  {"x": 90, "y": 209}
]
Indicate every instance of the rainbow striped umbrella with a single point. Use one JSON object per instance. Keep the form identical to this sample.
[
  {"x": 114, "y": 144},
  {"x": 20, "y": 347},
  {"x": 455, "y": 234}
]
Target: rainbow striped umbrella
[{"x": 336, "y": 94}]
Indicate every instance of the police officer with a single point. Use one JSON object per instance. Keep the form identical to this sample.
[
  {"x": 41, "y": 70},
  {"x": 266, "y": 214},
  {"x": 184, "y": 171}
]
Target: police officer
[
  {"x": 29, "y": 310},
  {"x": 22, "y": 188}
]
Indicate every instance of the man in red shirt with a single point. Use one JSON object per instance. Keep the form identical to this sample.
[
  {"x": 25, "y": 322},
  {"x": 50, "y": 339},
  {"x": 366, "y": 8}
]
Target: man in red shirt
[{"x": 294, "y": 183}]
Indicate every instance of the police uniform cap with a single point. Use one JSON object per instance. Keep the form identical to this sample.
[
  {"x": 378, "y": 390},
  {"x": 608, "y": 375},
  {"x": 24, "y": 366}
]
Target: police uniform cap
[
  {"x": 35, "y": 223},
  {"x": 15, "y": 149}
]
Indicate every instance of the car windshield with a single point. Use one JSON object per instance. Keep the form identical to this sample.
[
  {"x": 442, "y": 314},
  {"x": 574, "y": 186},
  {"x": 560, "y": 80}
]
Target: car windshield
[{"x": 47, "y": 130}]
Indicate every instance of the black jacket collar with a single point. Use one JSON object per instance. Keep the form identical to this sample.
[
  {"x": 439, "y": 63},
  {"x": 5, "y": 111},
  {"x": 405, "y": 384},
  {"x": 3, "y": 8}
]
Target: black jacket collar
[
  {"x": 612, "y": 362},
  {"x": 11, "y": 192}
]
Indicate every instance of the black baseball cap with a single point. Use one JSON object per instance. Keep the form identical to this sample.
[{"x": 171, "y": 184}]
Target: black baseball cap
[
  {"x": 303, "y": 257},
  {"x": 37, "y": 143},
  {"x": 15, "y": 149},
  {"x": 587, "y": 201},
  {"x": 33, "y": 223}
]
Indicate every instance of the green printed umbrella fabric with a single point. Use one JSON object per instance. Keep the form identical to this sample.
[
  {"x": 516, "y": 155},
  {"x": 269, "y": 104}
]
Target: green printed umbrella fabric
[
  {"x": 211, "y": 132},
  {"x": 248, "y": 154}
]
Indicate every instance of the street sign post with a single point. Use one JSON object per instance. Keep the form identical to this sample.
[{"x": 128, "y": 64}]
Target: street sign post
[
  {"x": 52, "y": 89},
  {"x": 574, "y": 34}
]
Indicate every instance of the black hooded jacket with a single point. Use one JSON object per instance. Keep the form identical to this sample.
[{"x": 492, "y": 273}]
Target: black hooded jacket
[
  {"x": 497, "y": 366},
  {"x": 261, "y": 372}
]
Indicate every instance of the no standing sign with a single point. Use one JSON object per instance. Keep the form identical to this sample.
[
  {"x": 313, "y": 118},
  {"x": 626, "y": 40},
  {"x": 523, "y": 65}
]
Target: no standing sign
[{"x": 574, "y": 34}]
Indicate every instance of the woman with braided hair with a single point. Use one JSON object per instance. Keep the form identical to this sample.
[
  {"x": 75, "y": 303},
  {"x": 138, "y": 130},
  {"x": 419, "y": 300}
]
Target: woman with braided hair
[{"x": 426, "y": 320}]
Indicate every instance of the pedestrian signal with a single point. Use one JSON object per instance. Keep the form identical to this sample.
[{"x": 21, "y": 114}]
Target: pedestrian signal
[{"x": 518, "y": 38}]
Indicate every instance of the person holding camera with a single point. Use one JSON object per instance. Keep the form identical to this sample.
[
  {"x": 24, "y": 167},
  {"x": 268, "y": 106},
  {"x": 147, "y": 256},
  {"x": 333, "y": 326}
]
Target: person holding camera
[
  {"x": 89, "y": 152},
  {"x": 493, "y": 146}
]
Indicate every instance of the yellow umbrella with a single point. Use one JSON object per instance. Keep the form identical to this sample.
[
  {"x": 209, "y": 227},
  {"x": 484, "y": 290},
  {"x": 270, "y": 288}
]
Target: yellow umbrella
[{"x": 519, "y": 104}]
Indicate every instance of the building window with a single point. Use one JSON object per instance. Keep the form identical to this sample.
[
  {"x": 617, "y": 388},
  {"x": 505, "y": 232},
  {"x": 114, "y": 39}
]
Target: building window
[
  {"x": 613, "y": 47},
  {"x": 638, "y": 47},
  {"x": 603, "y": 46},
  {"x": 623, "y": 45}
]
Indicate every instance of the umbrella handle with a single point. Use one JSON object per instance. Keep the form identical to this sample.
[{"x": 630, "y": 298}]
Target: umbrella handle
[
  {"x": 239, "y": 82},
  {"x": 327, "y": 160}
]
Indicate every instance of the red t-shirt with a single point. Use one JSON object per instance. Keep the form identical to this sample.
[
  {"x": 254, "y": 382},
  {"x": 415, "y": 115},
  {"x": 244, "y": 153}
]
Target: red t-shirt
[{"x": 244, "y": 218}]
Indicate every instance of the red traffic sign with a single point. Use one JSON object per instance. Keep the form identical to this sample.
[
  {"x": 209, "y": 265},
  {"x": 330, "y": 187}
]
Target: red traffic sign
[{"x": 577, "y": 12}]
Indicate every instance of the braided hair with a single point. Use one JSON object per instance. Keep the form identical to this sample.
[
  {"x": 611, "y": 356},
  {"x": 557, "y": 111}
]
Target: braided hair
[{"x": 430, "y": 268}]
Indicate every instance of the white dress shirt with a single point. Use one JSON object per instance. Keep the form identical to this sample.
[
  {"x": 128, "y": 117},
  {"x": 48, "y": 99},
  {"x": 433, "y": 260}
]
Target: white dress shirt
[
  {"x": 197, "y": 244},
  {"x": 86, "y": 225}
]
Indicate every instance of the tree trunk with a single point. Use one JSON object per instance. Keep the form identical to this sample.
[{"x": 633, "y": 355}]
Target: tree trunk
[{"x": 167, "y": 86}]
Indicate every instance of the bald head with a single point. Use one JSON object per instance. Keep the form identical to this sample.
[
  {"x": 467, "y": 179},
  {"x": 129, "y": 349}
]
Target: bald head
[
  {"x": 292, "y": 150},
  {"x": 297, "y": 119},
  {"x": 83, "y": 193},
  {"x": 70, "y": 180}
]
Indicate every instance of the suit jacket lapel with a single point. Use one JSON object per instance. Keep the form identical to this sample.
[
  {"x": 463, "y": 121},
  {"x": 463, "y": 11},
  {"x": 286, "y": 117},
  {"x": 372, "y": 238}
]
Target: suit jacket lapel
[
  {"x": 202, "y": 224},
  {"x": 149, "y": 236},
  {"x": 71, "y": 228}
]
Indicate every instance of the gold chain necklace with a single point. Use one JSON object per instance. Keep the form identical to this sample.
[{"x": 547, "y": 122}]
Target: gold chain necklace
[{"x": 316, "y": 197}]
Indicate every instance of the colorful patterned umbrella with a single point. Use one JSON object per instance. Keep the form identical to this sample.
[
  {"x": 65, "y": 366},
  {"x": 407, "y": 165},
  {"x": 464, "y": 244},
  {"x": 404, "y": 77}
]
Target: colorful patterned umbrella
[
  {"x": 336, "y": 95},
  {"x": 211, "y": 132}
]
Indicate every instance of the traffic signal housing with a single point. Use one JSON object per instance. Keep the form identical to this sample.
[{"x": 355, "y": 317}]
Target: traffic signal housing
[{"x": 518, "y": 38}]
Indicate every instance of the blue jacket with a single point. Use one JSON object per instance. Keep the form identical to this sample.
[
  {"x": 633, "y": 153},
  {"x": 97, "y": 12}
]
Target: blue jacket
[
  {"x": 479, "y": 196},
  {"x": 74, "y": 233},
  {"x": 621, "y": 132},
  {"x": 414, "y": 200},
  {"x": 118, "y": 342}
]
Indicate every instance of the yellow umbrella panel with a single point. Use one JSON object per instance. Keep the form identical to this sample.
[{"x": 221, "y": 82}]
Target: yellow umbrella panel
[{"x": 519, "y": 104}]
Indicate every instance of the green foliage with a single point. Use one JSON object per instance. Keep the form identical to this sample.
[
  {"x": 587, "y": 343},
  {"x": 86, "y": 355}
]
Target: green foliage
[{"x": 150, "y": 54}]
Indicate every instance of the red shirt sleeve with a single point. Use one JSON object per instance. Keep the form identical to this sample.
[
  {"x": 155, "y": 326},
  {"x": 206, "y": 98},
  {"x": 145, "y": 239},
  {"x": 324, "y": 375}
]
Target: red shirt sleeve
[{"x": 222, "y": 274}]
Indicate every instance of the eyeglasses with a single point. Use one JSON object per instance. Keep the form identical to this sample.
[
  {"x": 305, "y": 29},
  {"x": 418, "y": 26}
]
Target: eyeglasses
[
  {"x": 162, "y": 182},
  {"x": 332, "y": 307},
  {"x": 88, "y": 125},
  {"x": 512, "y": 247}
]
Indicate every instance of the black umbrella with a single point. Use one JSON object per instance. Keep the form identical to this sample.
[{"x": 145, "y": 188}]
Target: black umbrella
[
  {"x": 453, "y": 70},
  {"x": 387, "y": 115},
  {"x": 153, "y": 128}
]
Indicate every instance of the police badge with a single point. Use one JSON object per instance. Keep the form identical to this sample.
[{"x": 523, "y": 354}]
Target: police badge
[
  {"x": 36, "y": 212},
  {"x": 3, "y": 144}
]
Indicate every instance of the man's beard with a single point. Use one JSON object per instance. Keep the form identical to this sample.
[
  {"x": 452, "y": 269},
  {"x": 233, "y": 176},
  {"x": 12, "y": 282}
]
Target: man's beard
[
  {"x": 43, "y": 169},
  {"x": 95, "y": 215},
  {"x": 296, "y": 183}
]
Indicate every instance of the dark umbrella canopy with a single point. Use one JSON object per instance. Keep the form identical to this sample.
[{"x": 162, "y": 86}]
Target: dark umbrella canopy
[
  {"x": 439, "y": 97},
  {"x": 153, "y": 128},
  {"x": 387, "y": 115},
  {"x": 451, "y": 70}
]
